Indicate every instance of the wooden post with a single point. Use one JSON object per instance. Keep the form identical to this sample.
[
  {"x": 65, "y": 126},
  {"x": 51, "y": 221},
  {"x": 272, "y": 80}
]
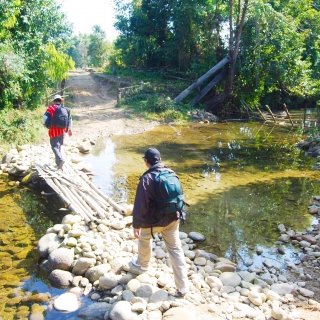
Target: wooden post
[
  {"x": 261, "y": 114},
  {"x": 304, "y": 115},
  {"x": 209, "y": 86},
  {"x": 217, "y": 67},
  {"x": 274, "y": 119},
  {"x": 288, "y": 114},
  {"x": 118, "y": 93}
]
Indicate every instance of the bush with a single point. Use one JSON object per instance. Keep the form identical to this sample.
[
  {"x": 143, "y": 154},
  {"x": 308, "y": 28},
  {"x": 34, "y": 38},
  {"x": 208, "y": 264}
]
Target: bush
[{"x": 20, "y": 126}]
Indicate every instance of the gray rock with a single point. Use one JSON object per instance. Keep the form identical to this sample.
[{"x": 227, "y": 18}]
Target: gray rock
[
  {"x": 230, "y": 279},
  {"x": 214, "y": 282},
  {"x": 94, "y": 273},
  {"x": 179, "y": 313},
  {"x": 203, "y": 254},
  {"x": 158, "y": 296},
  {"x": 48, "y": 243},
  {"x": 116, "y": 265},
  {"x": 82, "y": 265},
  {"x": 127, "y": 295},
  {"x": 107, "y": 282},
  {"x": 96, "y": 311},
  {"x": 61, "y": 258},
  {"x": 225, "y": 267},
  {"x": 145, "y": 291},
  {"x": 306, "y": 293},
  {"x": 284, "y": 238},
  {"x": 60, "y": 278},
  {"x": 133, "y": 285},
  {"x": 282, "y": 288},
  {"x": 266, "y": 277},
  {"x": 125, "y": 278},
  {"x": 196, "y": 236},
  {"x": 121, "y": 311}
]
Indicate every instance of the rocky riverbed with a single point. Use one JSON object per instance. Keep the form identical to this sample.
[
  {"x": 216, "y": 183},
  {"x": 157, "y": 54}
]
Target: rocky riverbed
[{"x": 93, "y": 260}]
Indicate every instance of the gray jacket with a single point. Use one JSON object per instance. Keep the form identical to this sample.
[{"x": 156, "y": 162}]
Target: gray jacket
[{"x": 145, "y": 214}]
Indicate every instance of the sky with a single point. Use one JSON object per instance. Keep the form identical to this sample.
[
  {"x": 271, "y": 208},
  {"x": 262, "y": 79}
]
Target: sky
[{"x": 84, "y": 14}]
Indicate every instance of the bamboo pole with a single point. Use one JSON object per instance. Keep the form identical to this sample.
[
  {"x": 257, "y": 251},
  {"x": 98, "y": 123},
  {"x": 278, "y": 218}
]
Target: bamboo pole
[
  {"x": 109, "y": 200},
  {"x": 304, "y": 115},
  {"x": 82, "y": 204},
  {"x": 274, "y": 119},
  {"x": 94, "y": 205},
  {"x": 208, "y": 87},
  {"x": 91, "y": 193},
  {"x": 67, "y": 193},
  {"x": 76, "y": 176},
  {"x": 118, "y": 93},
  {"x": 288, "y": 114},
  {"x": 208, "y": 74},
  {"x": 261, "y": 114},
  {"x": 85, "y": 195},
  {"x": 57, "y": 190}
]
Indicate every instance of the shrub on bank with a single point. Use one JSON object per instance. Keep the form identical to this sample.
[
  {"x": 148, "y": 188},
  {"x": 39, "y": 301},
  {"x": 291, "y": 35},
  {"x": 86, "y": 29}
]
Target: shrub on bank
[{"x": 19, "y": 126}]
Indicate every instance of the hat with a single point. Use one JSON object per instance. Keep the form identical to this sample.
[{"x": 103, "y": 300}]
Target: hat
[
  {"x": 57, "y": 96},
  {"x": 152, "y": 155}
]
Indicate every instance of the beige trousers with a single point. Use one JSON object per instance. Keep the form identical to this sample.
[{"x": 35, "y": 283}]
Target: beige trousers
[{"x": 171, "y": 238}]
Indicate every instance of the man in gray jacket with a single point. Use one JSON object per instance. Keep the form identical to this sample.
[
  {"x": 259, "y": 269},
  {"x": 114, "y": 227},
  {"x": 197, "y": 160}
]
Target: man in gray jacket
[{"x": 144, "y": 224}]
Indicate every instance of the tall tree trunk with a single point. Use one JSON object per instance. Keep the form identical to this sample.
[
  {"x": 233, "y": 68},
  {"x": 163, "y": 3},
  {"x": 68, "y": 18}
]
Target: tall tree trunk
[{"x": 233, "y": 53}]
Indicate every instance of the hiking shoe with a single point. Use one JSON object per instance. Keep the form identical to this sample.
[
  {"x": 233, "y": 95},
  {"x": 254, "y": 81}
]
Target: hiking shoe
[
  {"x": 61, "y": 165},
  {"x": 178, "y": 294},
  {"x": 135, "y": 262}
]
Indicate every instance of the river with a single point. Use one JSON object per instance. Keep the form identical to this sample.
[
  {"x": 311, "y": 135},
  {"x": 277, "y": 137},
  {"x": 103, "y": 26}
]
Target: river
[{"x": 241, "y": 180}]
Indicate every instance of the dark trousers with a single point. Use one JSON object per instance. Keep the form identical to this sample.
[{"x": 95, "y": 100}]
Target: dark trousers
[{"x": 56, "y": 144}]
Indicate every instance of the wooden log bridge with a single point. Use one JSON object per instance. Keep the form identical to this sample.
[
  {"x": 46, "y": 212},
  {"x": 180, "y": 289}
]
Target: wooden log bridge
[{"x": 79, "y": 194}]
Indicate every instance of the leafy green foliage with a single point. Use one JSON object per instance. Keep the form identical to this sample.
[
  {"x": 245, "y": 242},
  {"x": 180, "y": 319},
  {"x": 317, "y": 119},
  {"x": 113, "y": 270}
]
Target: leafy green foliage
[
  {"x": 169, "y": 33},
  {"x": 278, "y": 60},
  {"x": 34, "y": 38},
  {"x": 272, "y": 63},
  {"x": 151, "y": 102},
  {"x": 78, "y": 50},
  {"x": 20, "y": 126}
]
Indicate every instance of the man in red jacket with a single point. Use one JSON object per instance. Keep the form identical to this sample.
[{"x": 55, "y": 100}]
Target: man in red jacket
[
  {"x": 166, "y": 224},
  {"x": 56, "y": 134}
]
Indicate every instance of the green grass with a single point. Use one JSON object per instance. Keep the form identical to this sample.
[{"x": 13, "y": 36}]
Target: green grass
[
  {"x": 152, "y": 96},
  {"x": 21, "y": 126}
]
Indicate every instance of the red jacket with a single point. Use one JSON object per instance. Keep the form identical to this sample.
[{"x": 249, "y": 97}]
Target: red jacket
[{"x": 54, "y": 131}]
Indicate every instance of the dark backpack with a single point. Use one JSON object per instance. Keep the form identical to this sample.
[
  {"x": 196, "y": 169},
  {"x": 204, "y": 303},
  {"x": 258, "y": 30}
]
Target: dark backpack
[
  {"x": 61, "y": 117},
  {"x": 169, "y": 194}
]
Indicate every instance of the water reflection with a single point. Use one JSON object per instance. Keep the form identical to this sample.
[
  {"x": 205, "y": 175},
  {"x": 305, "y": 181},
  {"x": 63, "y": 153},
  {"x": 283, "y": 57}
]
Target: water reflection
[{"x": 241, "y": 180}]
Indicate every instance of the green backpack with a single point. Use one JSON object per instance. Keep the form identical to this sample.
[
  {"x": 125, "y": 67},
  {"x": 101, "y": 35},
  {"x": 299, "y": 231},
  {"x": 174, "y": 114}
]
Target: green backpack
[{"x": 169, "y": 196}]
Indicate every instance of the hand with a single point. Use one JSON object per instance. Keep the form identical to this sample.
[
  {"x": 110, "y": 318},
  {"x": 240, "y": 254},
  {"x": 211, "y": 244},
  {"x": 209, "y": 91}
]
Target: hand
[
  {"x": 136, "y": 233},
  {"x": 70, "y": 133}
]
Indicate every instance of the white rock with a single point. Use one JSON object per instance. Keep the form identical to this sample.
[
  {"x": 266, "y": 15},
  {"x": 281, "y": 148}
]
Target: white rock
[{"x": 67, "y": 302}]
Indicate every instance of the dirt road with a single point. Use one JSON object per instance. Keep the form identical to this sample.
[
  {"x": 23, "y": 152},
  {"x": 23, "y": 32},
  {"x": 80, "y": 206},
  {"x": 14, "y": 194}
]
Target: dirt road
[{"x": 94, "y": 110}]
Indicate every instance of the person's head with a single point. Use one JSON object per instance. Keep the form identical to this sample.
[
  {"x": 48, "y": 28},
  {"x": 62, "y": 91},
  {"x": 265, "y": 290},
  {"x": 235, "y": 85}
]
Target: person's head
[
  {"x": 152, "y": 156},
  {"x": 57, "y": 98}
]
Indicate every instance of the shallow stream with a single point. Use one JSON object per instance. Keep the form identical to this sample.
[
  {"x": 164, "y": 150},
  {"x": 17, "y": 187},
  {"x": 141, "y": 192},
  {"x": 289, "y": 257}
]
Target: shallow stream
[{"x": 241, "y": 180}]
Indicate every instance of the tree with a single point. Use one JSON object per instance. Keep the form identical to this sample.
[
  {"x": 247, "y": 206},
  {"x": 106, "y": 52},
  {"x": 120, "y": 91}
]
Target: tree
[
  {"x": 97, "y": 49},
  {"x": 238, "y": 13},
  {"x": 274, "y": 61},
  {"x": 78, "y": 50},
  {"x": 175, "y": 34},
  {"x": 33, "y": 28}
]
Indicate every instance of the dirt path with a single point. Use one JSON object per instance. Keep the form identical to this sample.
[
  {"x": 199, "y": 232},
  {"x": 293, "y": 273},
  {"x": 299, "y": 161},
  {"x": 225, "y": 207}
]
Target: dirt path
[{"x": 94, "y": 110}]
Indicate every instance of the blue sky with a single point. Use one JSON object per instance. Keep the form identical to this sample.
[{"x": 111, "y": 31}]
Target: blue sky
[{"x": 84, "y": 14}]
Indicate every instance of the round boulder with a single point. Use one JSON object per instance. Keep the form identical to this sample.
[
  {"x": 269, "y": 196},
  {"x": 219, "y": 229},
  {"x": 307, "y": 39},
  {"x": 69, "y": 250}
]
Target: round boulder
[
  {"x": 48, "y": 243},
  {"x": 60, "y": 278},
  {"x": 61, "y": 258}
]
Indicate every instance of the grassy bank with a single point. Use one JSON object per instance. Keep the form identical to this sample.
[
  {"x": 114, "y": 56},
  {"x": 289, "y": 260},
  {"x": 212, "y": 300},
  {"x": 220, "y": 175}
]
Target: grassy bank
[
  {"x": 21, "y": 126},
  {"x": 150, "y": 95}
]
